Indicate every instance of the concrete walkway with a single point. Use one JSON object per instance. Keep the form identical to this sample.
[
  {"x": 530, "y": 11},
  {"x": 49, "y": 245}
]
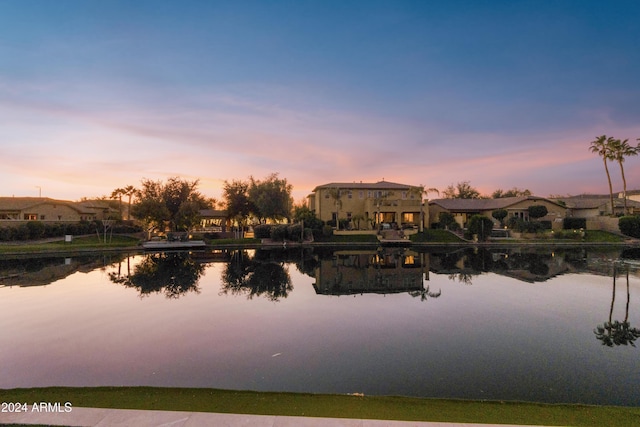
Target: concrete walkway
[{"x": 132, "y": 417}]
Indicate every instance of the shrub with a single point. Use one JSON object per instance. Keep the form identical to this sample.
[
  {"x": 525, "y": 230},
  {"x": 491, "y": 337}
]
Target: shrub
[
  {"x": 262, "y": 231},
  {"x": 574, "y": 223},
  {"x": 126, "y": 228},
  {"x": 36, "y": 229},
  {"x": 630, "y": 226},
  {"x": 279, "y": 232},
  {"x": 6, "y": 234},
  {"x": 522, "y": 226},
  {"x": 546, "y": 225},
  {"x": 294, "y": 232},
  {"x": 327, "y": 230},
  {"x": 308, "y": 233},
  {"x": 480, "y": 225},
  {"x": 537, "y": 211},
  {"x": 446, "y": 220},
  {"x": 22, "y": 232},
  {"x": 500, "y": 215}
]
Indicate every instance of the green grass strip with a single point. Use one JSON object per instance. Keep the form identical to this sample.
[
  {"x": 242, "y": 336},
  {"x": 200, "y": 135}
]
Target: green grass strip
[
  {"x": 79, "y": 243},
  {"x": 333, "y": 406},
  {"x": 435, "y": 236}
]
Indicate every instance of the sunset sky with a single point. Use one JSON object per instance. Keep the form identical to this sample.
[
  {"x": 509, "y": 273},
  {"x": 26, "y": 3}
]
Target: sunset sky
[{"x": 96, "y": 95}]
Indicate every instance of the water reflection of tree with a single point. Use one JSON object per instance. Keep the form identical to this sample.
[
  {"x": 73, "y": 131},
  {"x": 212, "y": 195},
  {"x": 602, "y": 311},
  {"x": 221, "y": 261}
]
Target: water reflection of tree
[
  {"x": 425, "y": 294},
  {"x": 464, "y": 278},
  {"x": 614, "y": 332},
  {"x": 173, "y": 274},
  {"x": 256, "y": 276}
]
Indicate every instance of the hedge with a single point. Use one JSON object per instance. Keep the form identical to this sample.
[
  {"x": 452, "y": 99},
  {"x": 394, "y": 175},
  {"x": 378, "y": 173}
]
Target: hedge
[
  {"x": 630, "y": 226},
  {"x": 574, "y": 223}
]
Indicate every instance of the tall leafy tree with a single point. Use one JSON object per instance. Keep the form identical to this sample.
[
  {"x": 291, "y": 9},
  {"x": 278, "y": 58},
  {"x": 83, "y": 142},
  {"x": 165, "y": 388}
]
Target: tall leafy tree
[
  {"x": 271, "y": 197},
  {"x": 602, "y": 147},
  {"x": 175, "y": 205},
  {"x": 462, "y": 190},
  {"x": 236, "y": 196},
  {"x": 514, "y": 192},
  {"x": 619, "y": 151}
]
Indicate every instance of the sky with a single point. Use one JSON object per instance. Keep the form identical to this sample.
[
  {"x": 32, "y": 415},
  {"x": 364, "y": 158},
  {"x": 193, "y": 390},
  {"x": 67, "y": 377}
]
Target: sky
[{"x": 97, "y": 95}]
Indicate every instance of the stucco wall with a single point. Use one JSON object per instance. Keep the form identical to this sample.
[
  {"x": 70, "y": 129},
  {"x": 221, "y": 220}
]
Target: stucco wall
[{"x": 605, "y": 223}]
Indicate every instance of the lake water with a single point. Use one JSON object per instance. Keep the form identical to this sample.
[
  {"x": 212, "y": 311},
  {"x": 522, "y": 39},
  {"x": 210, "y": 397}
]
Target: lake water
[{"x": 526, "y": 324}]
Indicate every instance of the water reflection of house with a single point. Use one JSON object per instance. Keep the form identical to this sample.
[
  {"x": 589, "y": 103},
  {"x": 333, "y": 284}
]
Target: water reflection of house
[
  {"x": 350, "y": 272},
  {"x": 44, "y": 271}
]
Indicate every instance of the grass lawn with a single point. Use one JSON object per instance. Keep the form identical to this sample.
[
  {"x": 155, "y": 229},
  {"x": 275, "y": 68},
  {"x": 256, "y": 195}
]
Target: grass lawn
[
  {"x": 435, "y": 236},
  {"x": 322, "y": 405},
  {"x": 349, "y": 238},
  {"x": 214, "y": 242},
  {"x": 86, "y": 242},
  {"x": 598, "y": 236}
]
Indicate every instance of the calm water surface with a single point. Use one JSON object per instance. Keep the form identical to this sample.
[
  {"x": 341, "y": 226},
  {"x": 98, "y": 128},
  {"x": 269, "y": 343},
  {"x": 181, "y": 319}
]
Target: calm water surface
[{"x": 510, "y": 324}]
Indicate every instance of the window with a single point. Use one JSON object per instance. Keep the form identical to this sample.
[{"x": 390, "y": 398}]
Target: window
[
  {"x": 350, "y": 194},
  {"x": 404, "y": 195},
  {"x": 361, "y": 194},
  {"x": 41, "y": 217},
  {"x": 30, "y": 217}
]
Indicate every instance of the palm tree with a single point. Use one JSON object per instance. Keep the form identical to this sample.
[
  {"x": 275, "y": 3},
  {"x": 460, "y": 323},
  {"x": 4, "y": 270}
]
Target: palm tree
[
  {"x": 620, "y": 150},
  {"x": 601, "y": 146},
  {"x": 334, "y": 193},
  {"x": 117, "y": 195},
  {"x": 129, "y": 191},
  {"x": 419, "y": 191}
]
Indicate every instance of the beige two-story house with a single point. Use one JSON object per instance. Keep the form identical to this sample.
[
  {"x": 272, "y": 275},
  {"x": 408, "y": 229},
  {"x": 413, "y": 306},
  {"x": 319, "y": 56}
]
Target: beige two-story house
[{"x": 367, "y": 206}]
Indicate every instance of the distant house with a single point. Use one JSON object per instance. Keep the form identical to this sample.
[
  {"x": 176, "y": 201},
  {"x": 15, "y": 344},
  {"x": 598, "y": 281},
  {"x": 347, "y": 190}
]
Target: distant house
[
  {"x": 632, "y": 195},
  {"x": 593, "y": 205},
  {"x": 463, "y": 209},
  {"x": 23, "y": 209},
  {"x": 368, "y": 205}
]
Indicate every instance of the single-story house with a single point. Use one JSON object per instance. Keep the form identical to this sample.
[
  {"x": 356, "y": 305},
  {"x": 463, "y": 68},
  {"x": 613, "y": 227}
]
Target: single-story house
[
  {"x": 591, "y": 206},
  {"x": 15, "y": 210},
  {"x": 463, "y": 209}
]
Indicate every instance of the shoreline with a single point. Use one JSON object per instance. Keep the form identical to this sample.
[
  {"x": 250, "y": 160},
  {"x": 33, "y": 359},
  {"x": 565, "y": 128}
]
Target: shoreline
[
  {"x": 16, "y": 249},
  {"x": 402, "y": 408}
]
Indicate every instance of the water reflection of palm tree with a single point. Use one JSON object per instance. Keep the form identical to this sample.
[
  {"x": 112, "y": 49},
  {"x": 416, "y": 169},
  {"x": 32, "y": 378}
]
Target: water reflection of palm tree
[
  {"x": 614, "y": 332},
  {"x": 464, "y": 278},
  {"x": 425, "y": 293}
]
